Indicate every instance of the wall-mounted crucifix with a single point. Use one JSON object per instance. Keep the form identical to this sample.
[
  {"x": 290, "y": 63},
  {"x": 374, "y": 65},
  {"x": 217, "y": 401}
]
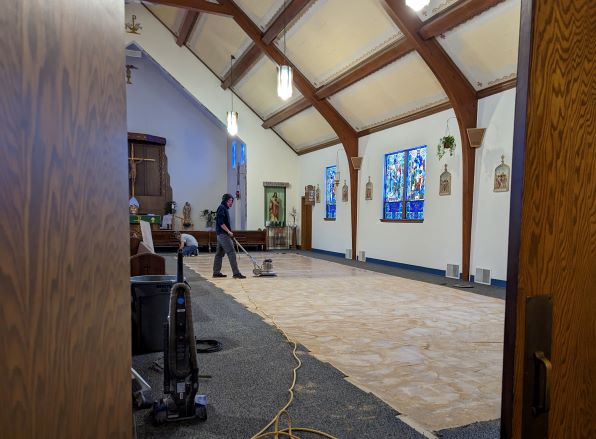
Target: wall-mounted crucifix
[{"x": 132, "y": 166}]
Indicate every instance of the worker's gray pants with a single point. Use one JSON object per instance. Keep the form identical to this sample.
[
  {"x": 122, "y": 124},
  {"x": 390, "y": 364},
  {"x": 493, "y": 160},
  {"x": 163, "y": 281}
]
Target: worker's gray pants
[{"x": 225, "y": 246}]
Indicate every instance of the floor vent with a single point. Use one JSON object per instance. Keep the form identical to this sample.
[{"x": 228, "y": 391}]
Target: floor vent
[
  {"x": 362, "y": 256},
  {"x": 348, "y": 253},
  {"x": 452, "y": 271},
  {"x": 482, "y": 276}
]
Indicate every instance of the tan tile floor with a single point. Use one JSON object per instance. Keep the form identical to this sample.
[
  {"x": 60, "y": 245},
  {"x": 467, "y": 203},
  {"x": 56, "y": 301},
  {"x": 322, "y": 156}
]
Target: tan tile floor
[{"x": 431, "y": 352}]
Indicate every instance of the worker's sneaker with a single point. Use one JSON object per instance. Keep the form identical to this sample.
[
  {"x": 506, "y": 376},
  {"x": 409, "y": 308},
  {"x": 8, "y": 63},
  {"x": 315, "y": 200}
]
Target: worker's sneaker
[
  {"x": 219, "y": 275},
  {"x": 239, "y": 276}
]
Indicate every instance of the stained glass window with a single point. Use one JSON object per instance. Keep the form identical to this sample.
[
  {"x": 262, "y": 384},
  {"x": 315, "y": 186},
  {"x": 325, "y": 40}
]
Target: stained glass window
[
  {"x": 404, "y": 183},
  {"x": 242, "y": 153},
  {"x": 234, "y": 155},
  {"x": 330, "y": 191}
]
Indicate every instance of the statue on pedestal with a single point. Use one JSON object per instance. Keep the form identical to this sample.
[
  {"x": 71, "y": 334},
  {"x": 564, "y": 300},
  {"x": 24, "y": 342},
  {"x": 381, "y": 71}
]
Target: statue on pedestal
[{"x": 186, "y": 221}]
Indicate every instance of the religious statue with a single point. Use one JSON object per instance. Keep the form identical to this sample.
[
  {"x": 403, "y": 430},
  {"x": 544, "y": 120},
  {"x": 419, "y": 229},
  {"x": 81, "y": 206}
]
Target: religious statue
[
  {"x": 318, "y": 194},
  {"x": 274, "y": 207},
  {"x": 344, "y": 192},
  {"x": 132, "y": 167},
  {"x": 368, "y": 192},
  {"x": 186, "y": 221}
]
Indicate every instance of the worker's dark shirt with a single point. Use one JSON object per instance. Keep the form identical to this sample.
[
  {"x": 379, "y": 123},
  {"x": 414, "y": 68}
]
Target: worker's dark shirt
[{"x": 222, "y": 217}]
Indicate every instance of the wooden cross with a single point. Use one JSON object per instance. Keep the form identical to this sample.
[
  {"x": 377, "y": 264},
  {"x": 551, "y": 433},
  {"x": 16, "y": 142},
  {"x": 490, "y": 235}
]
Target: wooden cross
[{"x": 132, "y": 166}]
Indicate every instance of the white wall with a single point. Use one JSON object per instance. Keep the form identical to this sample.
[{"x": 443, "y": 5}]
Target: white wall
[
  {"x": 268, "y": 158},
  {"x": 335, "y": 235},
  {"x": 195, "y": 140},
  {"x": 435, "y": 242},
  {"x": 490, "y": 225}
]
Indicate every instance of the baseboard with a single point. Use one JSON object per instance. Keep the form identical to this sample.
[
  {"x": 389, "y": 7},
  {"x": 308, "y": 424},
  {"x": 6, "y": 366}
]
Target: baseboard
[
  {"x": 327, "y": 252},
  {"x": 406, "y": 266},
  {"x": 493, "y": 282}
]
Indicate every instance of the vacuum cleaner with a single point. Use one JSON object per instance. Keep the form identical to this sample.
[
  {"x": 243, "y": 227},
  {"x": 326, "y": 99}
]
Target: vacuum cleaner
[
  {"x": 181, "y": 372},
  {"x": 265, "y": 270}
]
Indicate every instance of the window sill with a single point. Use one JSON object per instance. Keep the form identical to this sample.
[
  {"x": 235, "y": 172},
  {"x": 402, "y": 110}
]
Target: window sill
[
  {"x": 328, "y": 219},
  {"x": 400, "y": 221}
]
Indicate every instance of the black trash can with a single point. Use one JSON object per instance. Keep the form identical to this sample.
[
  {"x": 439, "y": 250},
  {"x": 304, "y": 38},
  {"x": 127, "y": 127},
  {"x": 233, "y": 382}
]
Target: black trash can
[{"x": 150, "y": 299}]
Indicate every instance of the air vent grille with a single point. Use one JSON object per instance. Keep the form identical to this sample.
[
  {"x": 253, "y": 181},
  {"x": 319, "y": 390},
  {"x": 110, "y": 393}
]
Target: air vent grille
[
  {"x": 362, "y": 256},
  {"x": 482, "y": 276},
  {"x": 452, "y": 271},
  {"x": 348, "y": 253}
]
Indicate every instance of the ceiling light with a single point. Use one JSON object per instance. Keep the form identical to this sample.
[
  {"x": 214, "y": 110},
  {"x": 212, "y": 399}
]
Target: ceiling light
[
  {"x": 284, "y": 72},
  {"x": 417, "y": 5},
  {"x": 232, "y": 116}
]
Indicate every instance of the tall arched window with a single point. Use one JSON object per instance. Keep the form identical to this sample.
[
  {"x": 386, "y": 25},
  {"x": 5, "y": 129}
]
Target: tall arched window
[{"x": 404, "y": 185}]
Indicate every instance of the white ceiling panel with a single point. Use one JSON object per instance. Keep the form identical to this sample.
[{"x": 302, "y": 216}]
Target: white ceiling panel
[
  {"x": 485, "y": 47},
  {"x": 334, "y": 35},
  {"x": 402, "y": 87},
  {"x": 261, "y": 12},
  {"x": 434, "y": 7},
  {"x": 258, "y": 88},
  {"x": 215, "y": 38},
  {"x": 168, "y": 15},
  {"x": 306, "y": 129}
]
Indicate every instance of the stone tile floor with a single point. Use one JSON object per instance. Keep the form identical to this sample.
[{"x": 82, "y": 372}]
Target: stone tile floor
[{"x": 431, "y": 352}]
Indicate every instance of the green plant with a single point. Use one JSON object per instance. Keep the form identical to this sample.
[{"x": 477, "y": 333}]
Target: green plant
[
  {"x": 446, "y": 142},
  {"x": 209, "y": 216}
]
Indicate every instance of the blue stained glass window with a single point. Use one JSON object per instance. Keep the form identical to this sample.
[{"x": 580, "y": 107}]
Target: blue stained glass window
[
  {"x": 330, "y": 191},
  {"x": 234, "y": 155},
  {"x": 404, "y": 184},
  {"x": 242, "y": 153}
]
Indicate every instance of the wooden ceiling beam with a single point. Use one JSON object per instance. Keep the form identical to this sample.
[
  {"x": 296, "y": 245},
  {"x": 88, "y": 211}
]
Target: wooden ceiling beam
[
  {"x": 244, "y": 63},
  {"x": 342, "y": 128},
  {"x": 283, "y": 18},
  {"x": 188, "y": 24},
  {"x": 286, "y": 113},
  {"x": 366, "y": 67},
  {"x": 453, "y": 16},
  {"x": 197, "y": 5},
  {"x": 462, "y": 97}
]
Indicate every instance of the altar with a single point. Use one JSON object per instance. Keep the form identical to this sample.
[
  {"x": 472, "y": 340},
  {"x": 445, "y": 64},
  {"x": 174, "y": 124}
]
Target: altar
[{"x": 134, "y": 221}]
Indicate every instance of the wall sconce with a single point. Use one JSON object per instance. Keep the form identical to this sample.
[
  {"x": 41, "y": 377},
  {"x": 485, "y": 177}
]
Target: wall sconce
[
  {"x": 475, "y": 136},
  {"x": 356, "y": 162}
]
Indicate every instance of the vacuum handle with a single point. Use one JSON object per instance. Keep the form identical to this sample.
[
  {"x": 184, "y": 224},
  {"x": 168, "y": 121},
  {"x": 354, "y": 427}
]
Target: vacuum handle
[{"x": 180, "y": 272}]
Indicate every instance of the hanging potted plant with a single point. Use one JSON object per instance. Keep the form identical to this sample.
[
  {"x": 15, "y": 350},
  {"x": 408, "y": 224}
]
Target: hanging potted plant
[
  {"x": 446, "y": 142},
  {"x": 209, "y": 216}
]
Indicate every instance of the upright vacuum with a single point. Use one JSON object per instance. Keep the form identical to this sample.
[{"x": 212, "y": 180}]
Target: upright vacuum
[{"x": 181, "y": 372}]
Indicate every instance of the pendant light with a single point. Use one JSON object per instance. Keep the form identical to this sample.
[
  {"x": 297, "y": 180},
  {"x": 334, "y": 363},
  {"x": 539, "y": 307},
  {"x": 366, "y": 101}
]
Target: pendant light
[
  {"x": 417, "y": 5},
  {"x": 232, "y": 116},
  {"x": 284, "y": 72}
]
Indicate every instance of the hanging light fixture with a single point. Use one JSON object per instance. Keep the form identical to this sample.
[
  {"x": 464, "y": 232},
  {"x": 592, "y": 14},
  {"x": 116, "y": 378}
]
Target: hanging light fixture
[
  {"x": 417, "y": 5},
  {"x": 232, "y": 116},
  {"x": 284, "y": 72}
]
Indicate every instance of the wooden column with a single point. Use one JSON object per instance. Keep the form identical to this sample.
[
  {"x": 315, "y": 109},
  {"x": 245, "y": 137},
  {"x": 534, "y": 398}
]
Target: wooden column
[{"x": 65, "y": 351}]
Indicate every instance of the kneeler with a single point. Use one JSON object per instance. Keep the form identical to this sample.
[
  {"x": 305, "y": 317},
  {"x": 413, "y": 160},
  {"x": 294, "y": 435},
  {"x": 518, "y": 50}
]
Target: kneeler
[{"x": 147, "y": 264}]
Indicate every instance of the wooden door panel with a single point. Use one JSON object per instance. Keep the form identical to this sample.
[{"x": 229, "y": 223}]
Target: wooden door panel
[{"x": 557, "y": 253}]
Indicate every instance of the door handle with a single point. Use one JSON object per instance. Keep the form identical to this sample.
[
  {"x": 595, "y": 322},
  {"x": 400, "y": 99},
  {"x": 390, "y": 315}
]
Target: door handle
[{"x": 542, "y": 372}]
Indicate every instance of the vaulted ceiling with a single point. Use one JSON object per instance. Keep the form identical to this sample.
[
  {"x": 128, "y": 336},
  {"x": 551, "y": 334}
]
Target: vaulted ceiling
[{"x": 353, "y": 64}]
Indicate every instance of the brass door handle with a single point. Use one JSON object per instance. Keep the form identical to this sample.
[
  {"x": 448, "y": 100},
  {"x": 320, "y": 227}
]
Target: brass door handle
[{"x": 542, "y": 371}]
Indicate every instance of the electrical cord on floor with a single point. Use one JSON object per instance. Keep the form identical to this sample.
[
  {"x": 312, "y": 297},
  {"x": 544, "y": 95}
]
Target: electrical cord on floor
[
  {"x": 212, "y": 346},
  {"x": 289, "y": 430}
]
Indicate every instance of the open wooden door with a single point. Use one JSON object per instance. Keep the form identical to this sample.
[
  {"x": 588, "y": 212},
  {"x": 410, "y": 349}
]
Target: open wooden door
[
  {"x": 305, "y": 225},
  {"x": 549, "y": 376}
]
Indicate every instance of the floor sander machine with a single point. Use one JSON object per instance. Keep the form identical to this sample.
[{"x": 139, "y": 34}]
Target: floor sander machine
[
  {"x": 266, "y": 269},
  {"x": 181, "y": 372}
]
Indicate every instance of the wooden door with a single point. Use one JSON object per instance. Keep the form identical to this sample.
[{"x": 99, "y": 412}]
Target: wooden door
[
  {"x": 553, "y": 227},
  {"x": 305, "y": 225},
  {"x": 65, "y": 351}
]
